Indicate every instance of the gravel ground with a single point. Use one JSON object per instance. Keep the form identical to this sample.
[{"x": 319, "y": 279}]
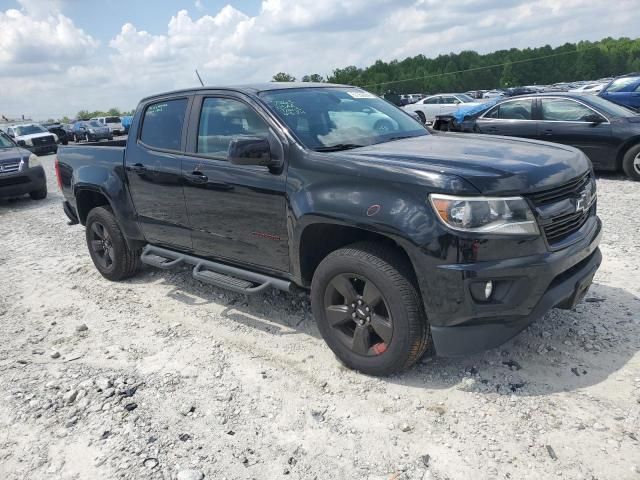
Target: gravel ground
[{"x": 162, "y": 377}]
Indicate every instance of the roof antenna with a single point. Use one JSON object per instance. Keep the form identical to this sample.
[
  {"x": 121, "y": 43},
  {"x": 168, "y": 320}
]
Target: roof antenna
[{"x": 199, "y": 77}]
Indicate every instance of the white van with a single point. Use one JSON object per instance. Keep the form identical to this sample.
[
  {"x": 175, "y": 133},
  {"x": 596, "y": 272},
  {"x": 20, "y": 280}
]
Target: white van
[{"x": 114, "y": 124}]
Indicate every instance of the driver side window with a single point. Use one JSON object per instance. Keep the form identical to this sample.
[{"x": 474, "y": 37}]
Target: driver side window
[{"x": 222, "y": 119}]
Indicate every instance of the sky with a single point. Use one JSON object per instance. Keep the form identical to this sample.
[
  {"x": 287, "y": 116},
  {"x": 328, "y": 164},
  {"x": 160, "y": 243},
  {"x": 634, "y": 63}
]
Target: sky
[{"x": 61, "y": 56}]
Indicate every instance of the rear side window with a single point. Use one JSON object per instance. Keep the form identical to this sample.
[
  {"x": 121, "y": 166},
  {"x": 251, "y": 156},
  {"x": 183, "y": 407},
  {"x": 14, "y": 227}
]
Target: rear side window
[
  {"x": 560, "y": 109},
  {"x": 162, "y": 124},
  {"x": 432, "y": 101}
]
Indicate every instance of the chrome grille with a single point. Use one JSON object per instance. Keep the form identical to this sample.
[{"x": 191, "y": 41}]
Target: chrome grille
[
  {"x": 9, "y": 167},
  {"x": 47, "y": 140},
  {"x": 577, "y": 200}
]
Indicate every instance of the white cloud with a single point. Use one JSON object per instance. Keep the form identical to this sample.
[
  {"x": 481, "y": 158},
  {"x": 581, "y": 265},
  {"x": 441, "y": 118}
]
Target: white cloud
[{"x": 296, "y": 36}]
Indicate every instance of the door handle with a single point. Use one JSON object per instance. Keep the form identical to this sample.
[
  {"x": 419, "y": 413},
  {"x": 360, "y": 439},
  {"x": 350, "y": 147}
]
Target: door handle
[
  {"x": 138, "y": 168},
  {"x": 196, "y": 177},
  {"x": 548, "y": 131}
]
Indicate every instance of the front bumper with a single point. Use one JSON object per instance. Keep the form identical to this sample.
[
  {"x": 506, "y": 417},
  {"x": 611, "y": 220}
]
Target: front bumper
[
  {"x": 20, "y": 183},
  {"x": 526, "y": 289},
  {"x": 94, "y": 137}
]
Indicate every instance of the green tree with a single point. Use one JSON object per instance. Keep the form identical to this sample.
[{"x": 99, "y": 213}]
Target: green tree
[
  {"x": 83, "y": 115},
  {"x": 283, "y": 77},
  {"x": 113, "y": 112},
  {"x": 314, "y": 77}
]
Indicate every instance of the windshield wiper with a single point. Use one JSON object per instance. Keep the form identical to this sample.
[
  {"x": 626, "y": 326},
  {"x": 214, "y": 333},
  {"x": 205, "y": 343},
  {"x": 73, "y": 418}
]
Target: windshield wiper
[{"x": 338, "y": 147}]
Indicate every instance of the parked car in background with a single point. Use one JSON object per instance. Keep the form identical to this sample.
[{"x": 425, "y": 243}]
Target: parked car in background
[
  {"x": 59, "y": 130},
  {"x": 440, "y": 104},
  {"x": 113, "y": 123},
  {"x": 405, "y": 239},
  {"x": 20, "y": 171},
  {"x": 624, "y": 91},
  {"x": 493, "y": 94},
  {"x": 90, "y": 131},
  {"x": 68, "y": 128},
  {"x": 34, "y": 137},
  {"x": 593, "y": 88},
  {"x": 609, "y": 134}
]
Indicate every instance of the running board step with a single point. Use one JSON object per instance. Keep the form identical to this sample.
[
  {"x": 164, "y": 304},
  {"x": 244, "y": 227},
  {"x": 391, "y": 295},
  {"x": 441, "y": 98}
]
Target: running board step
[{"x": 218, "y": 274}]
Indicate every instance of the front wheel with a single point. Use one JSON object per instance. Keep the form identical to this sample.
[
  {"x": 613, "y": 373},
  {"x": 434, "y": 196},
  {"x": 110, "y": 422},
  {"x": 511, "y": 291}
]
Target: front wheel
[
  {"x": 423, "y": 119},
  {"x": 39, "y": 194},
  {"x": 368, "y": 309},
  {"x": 107, "y": 246},
  {"x": 631, "y": 163}
]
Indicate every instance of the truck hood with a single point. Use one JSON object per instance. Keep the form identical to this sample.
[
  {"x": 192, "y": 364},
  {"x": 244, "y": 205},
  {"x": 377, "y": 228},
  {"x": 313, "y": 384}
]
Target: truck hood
[
  {"x": 10, "y": 155},
  {"x": 493, "y": 165},
  {"x": 34, "y": 135}
]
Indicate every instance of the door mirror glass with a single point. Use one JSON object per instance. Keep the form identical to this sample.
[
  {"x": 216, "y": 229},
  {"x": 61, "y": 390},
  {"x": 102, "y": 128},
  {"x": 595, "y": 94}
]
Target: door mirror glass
[{"x": 250, "y": 151}]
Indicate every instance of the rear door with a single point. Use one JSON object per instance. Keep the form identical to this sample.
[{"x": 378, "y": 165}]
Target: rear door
[
  {"x": 153, "y": 165},
  {"x": 512, "y": 118},
  {"x": 237, "y": 212},
  {"x": 568, "y": 121}
]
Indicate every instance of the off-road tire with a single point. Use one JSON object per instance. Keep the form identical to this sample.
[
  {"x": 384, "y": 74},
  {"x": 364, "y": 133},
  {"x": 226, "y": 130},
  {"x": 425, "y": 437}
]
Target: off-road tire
[
  {"x": 630, "y": 163},
  {"x": 392, "y": 274},
  {"x": 126, "y": 262}
]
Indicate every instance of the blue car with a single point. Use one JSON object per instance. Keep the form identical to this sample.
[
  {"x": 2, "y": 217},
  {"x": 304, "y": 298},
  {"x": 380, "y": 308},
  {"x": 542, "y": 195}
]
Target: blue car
[{"x": 624, "y": 91}]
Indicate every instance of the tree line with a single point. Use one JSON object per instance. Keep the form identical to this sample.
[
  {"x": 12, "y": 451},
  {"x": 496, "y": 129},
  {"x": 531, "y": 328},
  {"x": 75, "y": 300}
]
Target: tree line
[{"x": 469, "y": 70}]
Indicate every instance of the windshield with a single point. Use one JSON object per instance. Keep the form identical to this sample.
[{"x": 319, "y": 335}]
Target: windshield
[
  {"x": 5, "y": 142},
  {"x": 621, "y": 83},
  {"x": 465, "y": 98},
  {"x": 611, "y": 108},
  {"x": 29, "y": 130},
  {"x": 340, "y": 118},
  {"x": 113, "y": 120}
]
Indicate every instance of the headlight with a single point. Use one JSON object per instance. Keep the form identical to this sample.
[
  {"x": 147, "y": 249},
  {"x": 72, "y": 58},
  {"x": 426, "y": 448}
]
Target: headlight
[
  {"x": 55, "y": 137},
  {"x": 34, "y": 161},
  {"x": 503, "y": 216},
  {"x": 28, "y": 141}
]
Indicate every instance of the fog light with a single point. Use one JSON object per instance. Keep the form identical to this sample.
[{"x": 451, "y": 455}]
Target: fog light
[
  {"x": 481, "y": 291},
  {"x": 488, "y": 290}
]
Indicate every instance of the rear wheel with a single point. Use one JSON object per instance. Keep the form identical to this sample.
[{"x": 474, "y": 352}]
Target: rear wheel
[
  {"x": 631, "y": 163},
  {"x": 107, "y": 246},
  {"x": 368, "y": 309}
]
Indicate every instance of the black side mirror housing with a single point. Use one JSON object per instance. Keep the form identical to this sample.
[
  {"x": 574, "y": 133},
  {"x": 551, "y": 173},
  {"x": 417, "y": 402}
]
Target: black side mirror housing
[
  {"x": 252, "y": 151},
  {"x": 593, "y": 118},
  {"x": 22, "y": 143},
  {"x": 11, "y": 135}
]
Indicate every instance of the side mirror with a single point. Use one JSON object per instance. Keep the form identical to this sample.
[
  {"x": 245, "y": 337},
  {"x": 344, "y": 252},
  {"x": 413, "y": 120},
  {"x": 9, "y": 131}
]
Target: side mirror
[
  {"x": 11, "y": 134},
  {"x": 22, "y": 143},
  {"x": 593, "y": 118},
  {"x": 251, "y": 151}
]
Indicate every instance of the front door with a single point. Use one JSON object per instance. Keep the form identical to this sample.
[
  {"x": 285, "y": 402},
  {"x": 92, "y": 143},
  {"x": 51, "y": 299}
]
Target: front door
[
  {"x": 566, "y": 121},
  {"x": 236, "y": 212},
  {"x": 154, "y": 171},
  {"x": 511, "y": 118}
]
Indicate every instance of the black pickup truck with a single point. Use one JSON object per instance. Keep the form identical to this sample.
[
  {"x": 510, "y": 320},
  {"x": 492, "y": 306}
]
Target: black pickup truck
[{"x": 405, "y": 238}]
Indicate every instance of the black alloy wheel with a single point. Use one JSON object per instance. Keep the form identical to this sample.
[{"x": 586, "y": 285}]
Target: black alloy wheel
[
  {"x": 359, "y": 314},
  {"x": 101, "y": 245},
  {"x": 368, "y": 309}
]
